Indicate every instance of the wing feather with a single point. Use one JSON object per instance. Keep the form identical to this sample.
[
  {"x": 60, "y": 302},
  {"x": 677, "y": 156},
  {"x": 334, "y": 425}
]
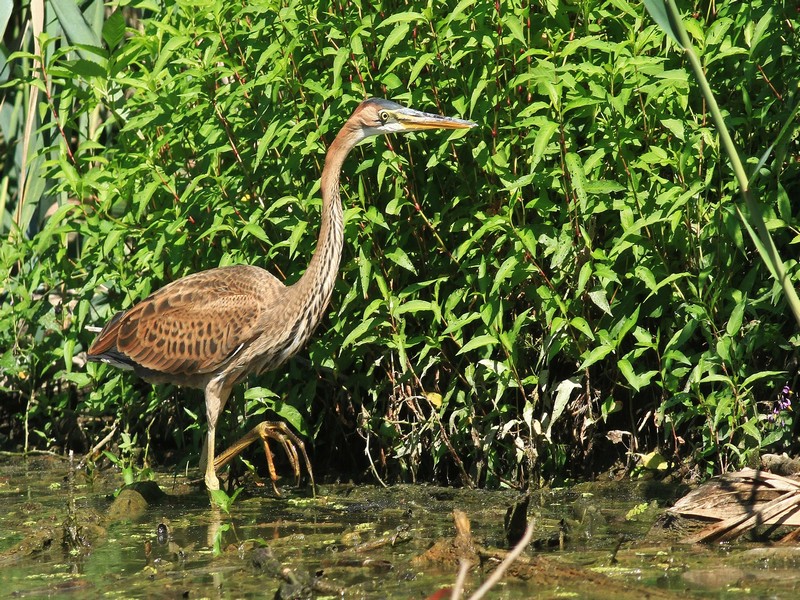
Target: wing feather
[{"x": 193, "y": 325}]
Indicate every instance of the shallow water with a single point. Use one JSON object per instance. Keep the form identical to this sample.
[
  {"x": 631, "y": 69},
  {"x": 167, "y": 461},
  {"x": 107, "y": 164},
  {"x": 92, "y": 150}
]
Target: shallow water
[{"x": 351, "y": 541}]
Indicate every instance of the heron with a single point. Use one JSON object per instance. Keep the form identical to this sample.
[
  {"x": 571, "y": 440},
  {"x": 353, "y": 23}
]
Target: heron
[{"x": 211, "y": 329}]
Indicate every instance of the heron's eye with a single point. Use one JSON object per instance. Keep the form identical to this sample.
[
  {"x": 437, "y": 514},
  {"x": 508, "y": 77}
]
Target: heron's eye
[{"x": 383, "y": 116}]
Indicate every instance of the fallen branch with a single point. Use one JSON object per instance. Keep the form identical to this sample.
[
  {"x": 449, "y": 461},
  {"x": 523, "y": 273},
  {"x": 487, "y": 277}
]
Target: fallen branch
[{"x": 498, "y": 573}]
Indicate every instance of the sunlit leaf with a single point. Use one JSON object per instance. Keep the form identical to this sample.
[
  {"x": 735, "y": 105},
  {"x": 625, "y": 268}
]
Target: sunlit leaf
[{"x": 478, "y": 342}]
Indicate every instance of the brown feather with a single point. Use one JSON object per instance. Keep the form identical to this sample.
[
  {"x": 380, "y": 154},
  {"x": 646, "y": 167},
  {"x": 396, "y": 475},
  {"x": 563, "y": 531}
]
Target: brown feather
[{"x": 193, "y": 325}]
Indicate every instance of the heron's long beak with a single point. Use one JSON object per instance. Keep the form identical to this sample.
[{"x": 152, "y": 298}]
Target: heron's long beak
[{"x": 414, "y": 120}]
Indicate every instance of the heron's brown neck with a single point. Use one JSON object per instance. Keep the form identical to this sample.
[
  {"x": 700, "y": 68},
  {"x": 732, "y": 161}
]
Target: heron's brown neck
[{"x": 312, "y": 292}]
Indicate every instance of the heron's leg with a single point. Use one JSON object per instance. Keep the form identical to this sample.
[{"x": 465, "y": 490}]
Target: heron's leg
[
  {"x": 216, "y": 396},
  {"x": 280, "y": 432},
  {"x": 203, "y": 454}
]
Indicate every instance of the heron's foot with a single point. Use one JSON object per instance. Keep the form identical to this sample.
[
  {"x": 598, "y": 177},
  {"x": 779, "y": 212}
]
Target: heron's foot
[
  {"x": 207, "y": 463},
  {"x": 212, "y": 483},
  {"x": 265, "y": 431}
]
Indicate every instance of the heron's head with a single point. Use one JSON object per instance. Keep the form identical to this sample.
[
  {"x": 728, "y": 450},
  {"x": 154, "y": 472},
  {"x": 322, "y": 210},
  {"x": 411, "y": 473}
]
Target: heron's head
[{"x": 379, "y": 117}]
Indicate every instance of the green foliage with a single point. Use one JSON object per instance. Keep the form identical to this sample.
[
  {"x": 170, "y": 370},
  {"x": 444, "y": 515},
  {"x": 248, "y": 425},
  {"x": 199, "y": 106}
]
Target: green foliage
[
  {"x": 754, "y": 223},
  {"x": 219, "y": 534},
  {"x": 127, "y": 461},
  {"x": 224, "y": 502},
  {"x": 575, "y": 267}
]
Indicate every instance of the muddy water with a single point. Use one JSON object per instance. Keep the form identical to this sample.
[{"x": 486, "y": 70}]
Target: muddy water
[{"x": 61, "y": 537}]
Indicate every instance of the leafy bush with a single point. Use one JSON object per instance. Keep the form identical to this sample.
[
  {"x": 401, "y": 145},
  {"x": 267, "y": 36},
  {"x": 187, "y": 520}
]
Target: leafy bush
[{"x": 571, "y": 275}]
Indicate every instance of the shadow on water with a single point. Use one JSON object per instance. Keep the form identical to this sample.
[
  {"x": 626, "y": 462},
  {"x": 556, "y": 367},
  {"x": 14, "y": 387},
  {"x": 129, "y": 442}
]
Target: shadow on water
[{"x": 590, "y": 541}]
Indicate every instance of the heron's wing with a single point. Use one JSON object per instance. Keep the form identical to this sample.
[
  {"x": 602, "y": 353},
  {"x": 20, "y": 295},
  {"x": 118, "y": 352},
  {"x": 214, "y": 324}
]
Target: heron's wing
[{"x": 191, "y": 326}]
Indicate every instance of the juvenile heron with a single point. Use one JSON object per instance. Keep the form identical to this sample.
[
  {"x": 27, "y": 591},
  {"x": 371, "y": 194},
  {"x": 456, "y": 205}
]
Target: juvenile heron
[{"x": 211, "y": 329}]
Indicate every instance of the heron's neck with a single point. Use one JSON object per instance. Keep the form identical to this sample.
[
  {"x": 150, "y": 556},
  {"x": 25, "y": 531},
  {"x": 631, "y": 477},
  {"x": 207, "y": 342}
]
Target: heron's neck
[{"x": 312, "y": 292}]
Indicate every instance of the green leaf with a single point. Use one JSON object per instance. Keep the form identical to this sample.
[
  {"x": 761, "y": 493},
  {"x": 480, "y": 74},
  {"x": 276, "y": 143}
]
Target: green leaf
[
  {"x": 578, "y": 179},
  {"x": 291, "y": 415},
  {"x": 603, "y": 187},
  {"x": 645, "y": 275},
  {"x": 735, "y": 321},
  {"x": 403, "y": 18},
  {"x": 339, "y": 62},
  {"x": 254, "y": 229},
  {"x": 600, "y": 300},
  {"x": 758, "y": 32},
  {"x": 357, "y": 333},
  {"x": 78, "y": 31},
  {"x": 111, "y": 241},
  {"x": 583, "y": 326},
  {"x": 420, "y": 63},
  {"x": 596, "y": 354},
  {"x": 413, "y": 307},
  {"x": 397, "y": 35},
  {"x": 563, "y": 392},
  {"x": 504, "y": 271},
  {"x": 260, "y": 393},
  {"x": 541, "y": 142},
  {"x": 399, "y": 257},
  {"x": 636, "y": 380},
  {"x": 6, "y": 6},
  {"x": 723, "y": 348},
  {"x": 763, "y": 375},
  {"x": 87, "y": 69},
  {"x": 658, "y": 11},
  {"x": 514, "y": 25},
  {"x": 676, "y": 126},
  {"x": 364, "y": 271},
  {"x": 478, "y": 342},
  {"x": 69, "y": 350},
  {"x": 626, "y": 369},
  {"x": 114, "y": 29}
]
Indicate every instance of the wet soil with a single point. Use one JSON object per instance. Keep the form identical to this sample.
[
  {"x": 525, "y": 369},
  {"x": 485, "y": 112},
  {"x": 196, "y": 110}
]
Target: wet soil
[{"x": 78, "y": 535}]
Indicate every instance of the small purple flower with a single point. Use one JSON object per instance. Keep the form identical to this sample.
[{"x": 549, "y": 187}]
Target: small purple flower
[
  {"x": 783, "y": 403},
  {"x": 785, "y": 398}
]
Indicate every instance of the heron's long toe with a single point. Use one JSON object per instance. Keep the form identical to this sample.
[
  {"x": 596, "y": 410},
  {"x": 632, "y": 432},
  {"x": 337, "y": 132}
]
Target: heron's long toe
[{"x": 265, "y": 431}]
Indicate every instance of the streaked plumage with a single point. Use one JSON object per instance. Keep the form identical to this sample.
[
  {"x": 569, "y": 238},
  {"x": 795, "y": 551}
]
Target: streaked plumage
[{"x": 211, "y": 329}]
